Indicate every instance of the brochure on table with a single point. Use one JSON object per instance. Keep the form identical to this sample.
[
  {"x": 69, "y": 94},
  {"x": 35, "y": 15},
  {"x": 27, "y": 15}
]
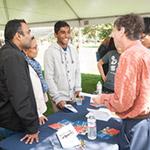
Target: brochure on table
[
  {"x": 100, "y": 114},
  {"x": 87, "y": 94},
  {"x": 67, "y": 136},
  {"x": 79, "y": 125},
  {"x": 71, "y": 108}
]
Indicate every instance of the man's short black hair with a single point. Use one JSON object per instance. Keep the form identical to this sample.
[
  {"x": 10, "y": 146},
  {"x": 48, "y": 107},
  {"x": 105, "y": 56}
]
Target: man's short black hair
[
  {"x": 60, "y": 24},
  {"x": 147, "y": 25},
  {"x": 12, "y": 27}
]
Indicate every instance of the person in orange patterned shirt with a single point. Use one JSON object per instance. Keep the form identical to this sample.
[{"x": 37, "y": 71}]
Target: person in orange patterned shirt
[{"x": 131, "y": 97}]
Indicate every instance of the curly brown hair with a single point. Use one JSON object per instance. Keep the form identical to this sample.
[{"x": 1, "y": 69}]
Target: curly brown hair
[{"x": 133, "y": 24}]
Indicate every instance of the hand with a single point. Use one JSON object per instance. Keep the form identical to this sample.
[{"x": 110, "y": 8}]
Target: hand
[
  {"x": 61, "y": 104},
  {"x": 30, "y": 138},
  {"x": 104, "y": 78},
  {"x": 42, "y": 120},
  {"x": 96, "y": 99},
  {"x": 77, "y": 93}
]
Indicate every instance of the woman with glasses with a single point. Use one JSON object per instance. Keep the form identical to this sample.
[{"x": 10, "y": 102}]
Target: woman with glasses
[{"x": 40, "y": 87}]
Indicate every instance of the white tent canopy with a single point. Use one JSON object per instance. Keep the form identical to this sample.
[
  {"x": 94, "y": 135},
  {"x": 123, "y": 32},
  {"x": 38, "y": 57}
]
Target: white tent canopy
[{"x": 77, "y": 12}]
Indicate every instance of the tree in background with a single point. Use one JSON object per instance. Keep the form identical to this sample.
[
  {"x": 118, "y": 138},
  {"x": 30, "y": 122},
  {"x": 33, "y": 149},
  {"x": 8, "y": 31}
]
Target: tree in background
[
  {"x": 104, "y": 30},
  {"x": 97, "y": 32},
  {"x": 90, "y": 31}
]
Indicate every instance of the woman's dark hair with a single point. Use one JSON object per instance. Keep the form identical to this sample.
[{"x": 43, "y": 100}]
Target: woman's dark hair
[
  {"x": 111, "y": 44},
  {"x": 12, "y": 27},
  {"x": 60, "y": 24},
  {"x": 106, "y": 46},
  {"x": 147, "y": 25}
]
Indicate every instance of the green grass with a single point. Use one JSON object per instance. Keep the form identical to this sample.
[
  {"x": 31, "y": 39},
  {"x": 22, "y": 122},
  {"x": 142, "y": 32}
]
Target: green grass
[
  {"x": 89, "y": 82},
  {"x": 49, "y": 108}
]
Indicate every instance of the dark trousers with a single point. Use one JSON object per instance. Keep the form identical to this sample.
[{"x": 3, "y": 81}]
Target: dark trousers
[
  {"x": 106, "y": 90},
  {"x": 137, "y": 134}
]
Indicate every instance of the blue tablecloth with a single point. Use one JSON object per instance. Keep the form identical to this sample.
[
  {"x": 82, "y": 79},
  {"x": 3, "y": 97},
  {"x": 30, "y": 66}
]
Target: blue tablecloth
[{"x": 14, "y": 143}]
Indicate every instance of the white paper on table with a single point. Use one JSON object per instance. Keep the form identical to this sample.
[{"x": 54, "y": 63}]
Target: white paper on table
[
  {"x": 87, "y": 94},
  {"x": 100, "y": 114},
  {"x": 102, "y": 145},
  {"x": 71, "y": 108},
  {"x": 67, "y": 136}
]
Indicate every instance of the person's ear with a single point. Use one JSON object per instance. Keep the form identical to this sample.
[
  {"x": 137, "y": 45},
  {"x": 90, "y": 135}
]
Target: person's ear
[
  {"x": 55, "y": 34},
  {"x": 122, "y": 31},
  {"x": 18, "y": 35}
]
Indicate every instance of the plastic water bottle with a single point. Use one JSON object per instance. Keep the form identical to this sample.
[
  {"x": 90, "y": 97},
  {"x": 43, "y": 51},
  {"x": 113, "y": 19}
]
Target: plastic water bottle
[
  {"x": 99, "y": 88},
  {"x": 91, "y": 121}
]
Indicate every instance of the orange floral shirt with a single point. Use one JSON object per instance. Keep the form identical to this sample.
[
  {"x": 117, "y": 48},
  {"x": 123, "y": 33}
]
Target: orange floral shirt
[{"x": 132, "y": 84}]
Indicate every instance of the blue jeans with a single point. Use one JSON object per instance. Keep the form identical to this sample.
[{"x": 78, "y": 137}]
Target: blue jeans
[
  {"x": 137, "y": 133},
  {"x": 6, "y": 132}
]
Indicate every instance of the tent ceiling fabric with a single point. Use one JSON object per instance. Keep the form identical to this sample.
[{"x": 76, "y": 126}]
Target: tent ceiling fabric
[{"x": 40, "y": 12}]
